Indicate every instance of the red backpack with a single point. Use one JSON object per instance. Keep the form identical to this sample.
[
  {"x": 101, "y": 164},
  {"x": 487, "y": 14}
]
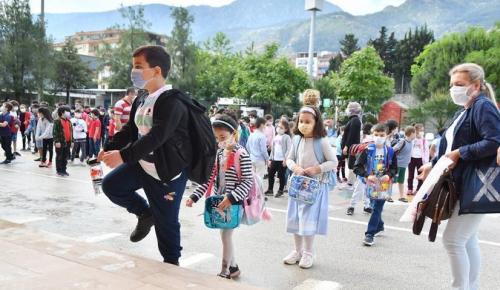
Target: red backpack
[{"x": 356, "y": 149}]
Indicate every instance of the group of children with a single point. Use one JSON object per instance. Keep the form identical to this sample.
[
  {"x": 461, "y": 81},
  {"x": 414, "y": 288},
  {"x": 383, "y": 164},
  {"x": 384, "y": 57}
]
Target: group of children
[{"x": 75, "y": 133}]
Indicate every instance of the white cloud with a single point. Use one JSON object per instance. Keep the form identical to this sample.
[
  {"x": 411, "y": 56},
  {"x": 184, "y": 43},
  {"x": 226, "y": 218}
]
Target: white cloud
[{"x": 356, "y": 7}]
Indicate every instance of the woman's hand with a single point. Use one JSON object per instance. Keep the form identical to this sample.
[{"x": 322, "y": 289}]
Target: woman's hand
[
  {"x": 58, "y": 145},
  {"x": 455, "y": 157},
  {"x": 225, "y": 204},
  {"x": 189, "y": 202},
  {"x": 297, "y": 170},
  {"x": 498, "y": 156},
  {"x": 424, "y": 171},
  {"x": 312, "y": 171}
]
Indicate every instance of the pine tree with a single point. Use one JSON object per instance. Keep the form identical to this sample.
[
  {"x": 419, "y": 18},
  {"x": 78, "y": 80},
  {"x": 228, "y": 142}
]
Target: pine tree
[{"x": 349, "y": 45}]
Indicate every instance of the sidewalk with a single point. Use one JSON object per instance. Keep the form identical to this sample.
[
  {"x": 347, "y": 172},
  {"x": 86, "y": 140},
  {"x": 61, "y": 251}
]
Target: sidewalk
[{"x": 40, "y": 260}]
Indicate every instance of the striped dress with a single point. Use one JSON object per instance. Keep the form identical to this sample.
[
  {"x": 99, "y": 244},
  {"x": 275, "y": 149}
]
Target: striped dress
[{"x": 227, "y": 181}]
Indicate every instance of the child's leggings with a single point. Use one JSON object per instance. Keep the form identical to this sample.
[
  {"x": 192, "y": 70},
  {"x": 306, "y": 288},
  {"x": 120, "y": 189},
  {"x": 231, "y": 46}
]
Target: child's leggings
[
  {"x": 228, "y": 259},
  {"x": 304, "y": 243}
]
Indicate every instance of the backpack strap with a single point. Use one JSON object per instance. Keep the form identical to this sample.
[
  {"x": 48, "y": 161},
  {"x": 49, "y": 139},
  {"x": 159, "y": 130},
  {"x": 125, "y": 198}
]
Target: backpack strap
[
  {"x": 318, "y": 151},
  {"x": 296, "y": 143}
]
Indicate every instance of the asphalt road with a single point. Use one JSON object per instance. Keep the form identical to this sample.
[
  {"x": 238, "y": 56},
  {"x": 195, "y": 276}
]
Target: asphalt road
[{"x": 399, "y": 260}]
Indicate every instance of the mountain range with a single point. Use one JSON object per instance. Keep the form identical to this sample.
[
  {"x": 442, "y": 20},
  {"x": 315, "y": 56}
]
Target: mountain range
[{"x": 285, "y": 21}]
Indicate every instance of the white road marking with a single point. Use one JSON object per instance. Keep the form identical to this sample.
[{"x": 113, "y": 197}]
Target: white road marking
[
  {"x": 311, "y": 284},
  {"x": 101, "y": 238},
  {"x": 195, "y": 259},
  {"x": 22, "y": 219},
  {"x": 408, "y": 230},
  {"x": 47, "y": 176}
]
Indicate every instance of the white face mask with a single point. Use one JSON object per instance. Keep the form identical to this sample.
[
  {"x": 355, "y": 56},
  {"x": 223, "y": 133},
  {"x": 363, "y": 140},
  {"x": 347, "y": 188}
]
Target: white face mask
[
  {"x": 280, "y": 131},
  {"x": 459, "y": 95},
  {"x": 379, "y": 141},
  {"x": 226, "y": 143},
  {"x": 23, "y": 110}
]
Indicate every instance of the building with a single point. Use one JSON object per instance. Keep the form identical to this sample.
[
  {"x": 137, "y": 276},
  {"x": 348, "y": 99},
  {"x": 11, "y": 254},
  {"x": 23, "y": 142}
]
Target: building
[
  {"x": 394, "y": 110},
  {"x": 89, "y": 42},
  {"x": 321, "y": 62}
]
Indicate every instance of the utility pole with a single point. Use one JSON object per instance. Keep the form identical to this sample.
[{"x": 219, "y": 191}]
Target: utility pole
[
  {"x": 314, "y": 6},
  {"x": 42, "y": 16}
]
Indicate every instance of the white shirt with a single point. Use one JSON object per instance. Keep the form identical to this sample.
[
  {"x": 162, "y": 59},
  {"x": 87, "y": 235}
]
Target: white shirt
[{"x": 450, "y": 133}]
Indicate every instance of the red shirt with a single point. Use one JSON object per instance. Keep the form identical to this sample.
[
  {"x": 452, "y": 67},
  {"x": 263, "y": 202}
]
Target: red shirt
[
  {"x": 122, "y": 108},
  {"x": 111, "y": 128},
  {"x": 94, "y": 129},
  {"x": 67, "y": 129}
]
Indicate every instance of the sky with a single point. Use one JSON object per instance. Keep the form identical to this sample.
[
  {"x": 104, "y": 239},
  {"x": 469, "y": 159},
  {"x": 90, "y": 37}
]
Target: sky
[{"x": 356, "y": 7}]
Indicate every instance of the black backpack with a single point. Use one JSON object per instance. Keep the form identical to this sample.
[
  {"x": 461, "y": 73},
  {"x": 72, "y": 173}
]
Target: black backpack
[{"x": 202, "y": 139}]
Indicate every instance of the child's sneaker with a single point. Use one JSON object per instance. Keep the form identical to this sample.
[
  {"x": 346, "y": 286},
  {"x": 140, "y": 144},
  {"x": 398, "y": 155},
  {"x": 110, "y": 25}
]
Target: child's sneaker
[
  {"x": 350, "y": 211},
  {"x": 403, "y": 199},
  {"x": 42, "y": 165},
  {"x": 279, "y": 194},
  {"x": 293, "y": 258},
  {"x": 380, "y": 233},
  {"x": 224, "y": 275},
  {"x": 368, "y": 210},
  {"x": 269, "y": 193},
  {"x": 234, "y": 272},
  {"x": 410, "y": 192},
  {"x": 49, "y": 164},
  {"x": 306, "y": 261},
  {"x": 368, "y": 241}
]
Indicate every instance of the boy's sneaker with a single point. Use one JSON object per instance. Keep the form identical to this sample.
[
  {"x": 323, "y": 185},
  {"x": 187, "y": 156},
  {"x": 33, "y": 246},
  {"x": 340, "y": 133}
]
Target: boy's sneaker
[
  {"x": 390, "y": 199},
  {"x": 224, "y": 275},
  {"x": 38, "y": 159},
  {"x": 17, "y": 153},
  {"x": 66, "y": 173},
  {"x": 380, "y": 233},
  {"x": 306, "y": 261},
  {"x": 368, "y": 241},
  {"x": 279, "y": 193},
  {"x": 61, "y": 174},
  {"x": 42, "y": 165},
  {"x": 6, "y": 161},
  {"x": 234, "y": 272},
  {"x": 293, "y": 258},
  {"x": 410, "y": 192},
  {"x": 403, "y": 199},
  {"x": 49, "y": 164},
  {"x": 143, "y": 227},
  {"x": 269, "y": 193},
  {"x": 350, "y": 211},
  {"x": 368, "y": 210}
]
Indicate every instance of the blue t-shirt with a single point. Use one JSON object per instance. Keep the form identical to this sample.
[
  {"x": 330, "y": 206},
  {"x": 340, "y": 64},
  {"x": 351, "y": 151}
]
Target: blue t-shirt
[{"x": 5, "y": 131}]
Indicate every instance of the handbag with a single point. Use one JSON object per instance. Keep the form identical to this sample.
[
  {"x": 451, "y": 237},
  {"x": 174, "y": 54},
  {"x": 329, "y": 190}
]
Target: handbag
[
  {"x": 379, "y": 190},
  {"x": 215, "y": 218},
  {"x": 480, "y": 187},
  {"x": 304, "y": 189},
  {"x": 438, "y": 205}
]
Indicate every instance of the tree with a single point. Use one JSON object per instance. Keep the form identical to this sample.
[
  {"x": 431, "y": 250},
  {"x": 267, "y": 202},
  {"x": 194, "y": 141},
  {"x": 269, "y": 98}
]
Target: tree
[
  {"x": 118, "y": 59},
  {"x": 268, "y": 79},
  {"x": 183, "y": 51},
  {"x": 218, "y": 69},
  {"x": 386, "y": 48},
  {"x": 334, "y": 64},
  {"x": 438, "y": 109},
  {"x": 361, "y": 78},
  {"x": 325, "y": 86},
  {"x": 70, "y": 71},
  {"x": 407, "y": 49},
  {"x": 430, "y": 71},
  {"x": 349, "y": 45},
  {"x": 17, "y": 42}
]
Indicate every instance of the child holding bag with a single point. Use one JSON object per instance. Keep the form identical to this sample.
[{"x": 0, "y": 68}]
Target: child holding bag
[
  {"x": 228, "y": 181},
  {"x": 311, "y": 156}
]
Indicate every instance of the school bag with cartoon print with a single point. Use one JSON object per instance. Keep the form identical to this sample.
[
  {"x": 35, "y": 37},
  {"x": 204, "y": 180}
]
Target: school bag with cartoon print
[{"x": 378, "y": 190}]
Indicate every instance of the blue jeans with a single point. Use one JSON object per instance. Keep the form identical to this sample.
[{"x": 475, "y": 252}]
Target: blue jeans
[
  {"x": 95, "y": 146},
  {"x": 376, "y": 224},
  {"x": 120, "y": 186}
]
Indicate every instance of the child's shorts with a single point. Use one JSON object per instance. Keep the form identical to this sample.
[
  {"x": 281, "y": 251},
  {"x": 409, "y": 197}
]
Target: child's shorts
[
  {"x": 401, "y": 175},
  {"x": 14, "y": 137},
  {"x": 39, "y": 144}
]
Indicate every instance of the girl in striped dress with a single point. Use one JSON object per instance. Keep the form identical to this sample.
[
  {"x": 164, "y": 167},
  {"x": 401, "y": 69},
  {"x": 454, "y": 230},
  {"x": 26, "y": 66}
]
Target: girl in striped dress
[
  {"x": 228, "y": 183},
  {"x": 305, "y": 221}
]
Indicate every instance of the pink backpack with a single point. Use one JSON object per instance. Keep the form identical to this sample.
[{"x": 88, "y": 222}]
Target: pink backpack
[{"x": 254, "y": 205}]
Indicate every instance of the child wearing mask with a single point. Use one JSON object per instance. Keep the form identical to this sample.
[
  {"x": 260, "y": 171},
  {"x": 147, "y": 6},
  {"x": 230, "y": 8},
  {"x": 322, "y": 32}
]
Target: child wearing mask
[
  {"x": 44, "y": 133},
  {"x": 5, "y": 132},
  {"x": 25, "y": 119},
  {"x": 269, "y": 131},
  {"x": 419, "y": 156},
  {"x": 282, "y": 144},
  {"x": 403, "y": 151},
  {"x": 79, "y": 136},
  {"x": 227, "y": 182},
  {"x": 257, "y": 148},
  {"x": 305, "y": 221},
  {"x": 377, "y": 164},
  {"x": 94, "y": 125},
  {"x": 63, "y": 136},
  {"x": 111, "y": 126},
  {"x": 14, "y": 126}
]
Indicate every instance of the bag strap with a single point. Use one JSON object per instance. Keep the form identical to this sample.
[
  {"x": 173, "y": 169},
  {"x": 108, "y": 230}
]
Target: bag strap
[
  {"x": 214, "y": 176},
  {"x": 318, "y": 151}
]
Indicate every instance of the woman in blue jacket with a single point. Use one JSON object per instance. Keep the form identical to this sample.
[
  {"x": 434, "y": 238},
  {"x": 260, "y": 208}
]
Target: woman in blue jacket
[{"x": 472, "y": 138}]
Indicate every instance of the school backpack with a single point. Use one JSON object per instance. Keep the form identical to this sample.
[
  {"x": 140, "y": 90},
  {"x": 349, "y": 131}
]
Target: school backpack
[
  {"x": 254, "y": 205},
  {"x": 357, "y": 149},
  {"x": 202, "y": 139},
  {"x": 320, "y": 156}
]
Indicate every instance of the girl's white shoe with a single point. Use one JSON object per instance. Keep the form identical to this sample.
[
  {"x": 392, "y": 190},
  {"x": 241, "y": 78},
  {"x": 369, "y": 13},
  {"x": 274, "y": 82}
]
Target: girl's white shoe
[
  {"x": 306, "y": 261},
  {"x": 293, "y": 258}
]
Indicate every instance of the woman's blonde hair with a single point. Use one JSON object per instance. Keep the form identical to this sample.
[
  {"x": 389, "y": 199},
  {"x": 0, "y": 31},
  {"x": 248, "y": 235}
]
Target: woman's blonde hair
[
  {"x": 475, "y": 72},
  {"x": 312, "y": 98}
]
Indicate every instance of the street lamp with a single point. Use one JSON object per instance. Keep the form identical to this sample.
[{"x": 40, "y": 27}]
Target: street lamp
[{"x": 313, "y": 6}]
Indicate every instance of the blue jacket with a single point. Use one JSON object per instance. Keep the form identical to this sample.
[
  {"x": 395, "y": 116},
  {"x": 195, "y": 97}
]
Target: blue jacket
[
  {"x": 5, "y": 131},
  {"x": 477, "y": 136}
]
